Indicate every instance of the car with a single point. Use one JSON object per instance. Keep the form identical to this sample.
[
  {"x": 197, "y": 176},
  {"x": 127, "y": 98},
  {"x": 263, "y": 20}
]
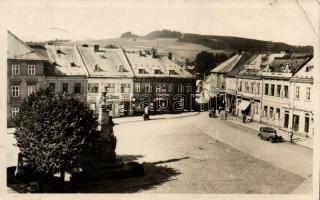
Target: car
[{"x": 269, "y": 134}]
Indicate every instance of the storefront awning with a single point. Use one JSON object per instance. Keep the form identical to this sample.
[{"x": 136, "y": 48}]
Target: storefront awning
[{"x": 243, "y": 105}]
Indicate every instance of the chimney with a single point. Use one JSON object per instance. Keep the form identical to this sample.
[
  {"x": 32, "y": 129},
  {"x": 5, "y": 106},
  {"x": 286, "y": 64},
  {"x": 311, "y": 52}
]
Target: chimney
[
  {"x": 170, "y": 56},
  {"x": 96, "y": 48}
]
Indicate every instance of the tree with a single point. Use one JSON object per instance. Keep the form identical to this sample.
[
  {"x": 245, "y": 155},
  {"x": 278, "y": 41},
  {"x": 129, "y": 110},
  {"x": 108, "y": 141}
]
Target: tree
[
  {"x": 54, "y": 131},
  {"x": 206, "y": 61}
]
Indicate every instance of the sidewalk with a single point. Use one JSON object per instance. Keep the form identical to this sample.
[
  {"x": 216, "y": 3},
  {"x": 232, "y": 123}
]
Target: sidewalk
[
  {"x": 297, "y": 139},
  {"x": 154, "y": 117}
]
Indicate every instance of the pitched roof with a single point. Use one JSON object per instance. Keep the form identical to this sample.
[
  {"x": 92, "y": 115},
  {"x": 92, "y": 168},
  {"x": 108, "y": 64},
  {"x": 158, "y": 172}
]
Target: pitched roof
[
  {"x": 106, "y": 62},
  {"x": 17, "y": 49},
  {"x": 161, "y": 66},
  {"x": 294, "y": 63},
  {"x": 227, "y": 65},
  {"x": 66, "y": 60}
]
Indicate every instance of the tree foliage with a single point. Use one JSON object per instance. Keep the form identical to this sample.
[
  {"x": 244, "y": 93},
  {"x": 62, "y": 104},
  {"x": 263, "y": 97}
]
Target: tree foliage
[
  {"x": 54, "y": 131},
  {"x": 206, "y": 61}
]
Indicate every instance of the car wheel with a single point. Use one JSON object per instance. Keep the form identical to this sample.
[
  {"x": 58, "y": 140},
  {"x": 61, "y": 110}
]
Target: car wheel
[{"x": 271, "y": 140}]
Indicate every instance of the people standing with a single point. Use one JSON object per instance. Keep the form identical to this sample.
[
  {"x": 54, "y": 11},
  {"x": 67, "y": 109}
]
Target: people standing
[{"x": 146, "y": 113}]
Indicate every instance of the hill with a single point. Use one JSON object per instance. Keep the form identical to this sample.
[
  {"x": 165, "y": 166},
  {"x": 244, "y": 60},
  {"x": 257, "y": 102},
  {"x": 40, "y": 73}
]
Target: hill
[
  {"x": 128, "y": 35},
  {"x": 227, "y": 42}
]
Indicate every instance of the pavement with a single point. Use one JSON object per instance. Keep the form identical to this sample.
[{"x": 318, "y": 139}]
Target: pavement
[
  {"x": 210, "y": 155},
  {"x": 198, "y": 154},
  {"x": 297, "y": 138}
]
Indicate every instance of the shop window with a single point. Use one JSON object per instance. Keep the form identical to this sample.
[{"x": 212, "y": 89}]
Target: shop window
[
  {"x": 77, "y": 88},
  {"x": 64, "y": 87},
  {"x": 93, "y": 87}
]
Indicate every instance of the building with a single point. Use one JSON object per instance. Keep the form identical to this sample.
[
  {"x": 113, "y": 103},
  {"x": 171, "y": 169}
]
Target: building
[
  {"x": 281, "y": 91},
  {"x": 66, "y": 72},
  {"x": 244, "y": 86},
  {"x": 108, "y": 71},
  {"x": 300, "y": 117},
  {"x": 25, "y": 74},
  {"x": 274, "y": 89},
  {"x": 158, "y": 81},
  {"x": 215, "y": 82}
]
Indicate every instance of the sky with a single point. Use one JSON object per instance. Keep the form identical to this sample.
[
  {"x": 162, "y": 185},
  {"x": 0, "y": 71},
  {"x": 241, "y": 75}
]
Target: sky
[{"x": 290, "y": 21}]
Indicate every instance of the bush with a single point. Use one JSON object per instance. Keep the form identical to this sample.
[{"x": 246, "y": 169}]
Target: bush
[{"x": 54, "y": 131}]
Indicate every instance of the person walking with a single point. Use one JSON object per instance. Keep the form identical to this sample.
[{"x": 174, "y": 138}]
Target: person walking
[{"x": 146, "y": 113}]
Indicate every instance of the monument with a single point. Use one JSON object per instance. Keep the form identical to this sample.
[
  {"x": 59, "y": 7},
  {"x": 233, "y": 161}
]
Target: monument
[{"x": 105, "y": 165}]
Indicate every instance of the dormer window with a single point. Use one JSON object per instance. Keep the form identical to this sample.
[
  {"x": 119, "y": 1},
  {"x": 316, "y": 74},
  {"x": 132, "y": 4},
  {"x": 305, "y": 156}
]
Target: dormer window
[
  {"x": 60, "y": 52},
  {"x": 142, "y": 71},
  {"x": 172, "y": 72},
  {"x": 96, "y": 68},
  {"x": 120, "y": 68},
  {"x": 72, "y": 64},
  {"x": 157, "y": 71}
]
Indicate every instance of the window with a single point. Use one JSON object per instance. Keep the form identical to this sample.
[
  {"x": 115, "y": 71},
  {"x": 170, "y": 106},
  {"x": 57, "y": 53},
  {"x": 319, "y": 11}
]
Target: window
[
  {"x": 297, "y": 92},
  {"x": 31, "y": 89},
  {"x": 77, "y": 88},
  {"x": 110, "y": 87},
  {"x": 125, "y": 87},
  {"x": 65, "y": 87},
  {"x": 15, "y": 70},
  {"x": 256, "y": 109},
  {"x": 187, "y": 87},
  {"x": 147, "y": 87},
  {"x": 169, "y": 87},
  {"x": 277, "y": 113},
  {"x": 295, "y": 124},
  {"x": 258, "y": 88},
  {"x": 278, "y": 90},
  {"x": 158, "y": 88},
  {"x": 240, "y": 86},
  {"x": 15, "y": 91},
  {"x": 163, "y": 87},
  {"x": 141, "y": 71},
  {"x": 172, "y": 72},
  {"x": 246, "y": 84},
  {"x": 272, "y": 90},
  {"x": 265, "y": 111},
  {"x": 266, "y": 89},
  {"x": 306, "y": 123},
  {"x": 253, "y": 88},
  {"x": 271, "y": 112},
  {"x": 52, "y": 86},
  {"x": 180, "y": 88},
  {"x": 286, "y": 92},
  {"x": 93, "y": 87},
  {"x": 15, "y": 112},
  {"x": 157, "y": 71},
  {"x": 137, "y": 87},
  {"x": 31, "y": 70},
  {"x": 308, "y": 93}
]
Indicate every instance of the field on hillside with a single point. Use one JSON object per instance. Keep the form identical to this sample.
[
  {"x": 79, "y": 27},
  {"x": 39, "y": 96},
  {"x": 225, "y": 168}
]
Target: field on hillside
[{"x": 181, "y": 50}]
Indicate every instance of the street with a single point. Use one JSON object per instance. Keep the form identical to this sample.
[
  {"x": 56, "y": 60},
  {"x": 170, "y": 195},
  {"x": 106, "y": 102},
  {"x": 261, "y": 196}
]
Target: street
[
  {"x": 214, "y": 156},
  {"x": 198, "y": 154}
]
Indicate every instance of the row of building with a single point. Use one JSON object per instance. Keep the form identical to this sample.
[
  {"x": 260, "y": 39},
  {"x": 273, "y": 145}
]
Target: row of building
[
  {"x": 131, "y": 78},
  {"x": 272, "y": 88}
]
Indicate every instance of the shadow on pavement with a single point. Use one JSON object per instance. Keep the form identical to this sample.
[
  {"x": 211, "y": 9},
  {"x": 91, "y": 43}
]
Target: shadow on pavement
[{"x": 155, "y": 174}]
